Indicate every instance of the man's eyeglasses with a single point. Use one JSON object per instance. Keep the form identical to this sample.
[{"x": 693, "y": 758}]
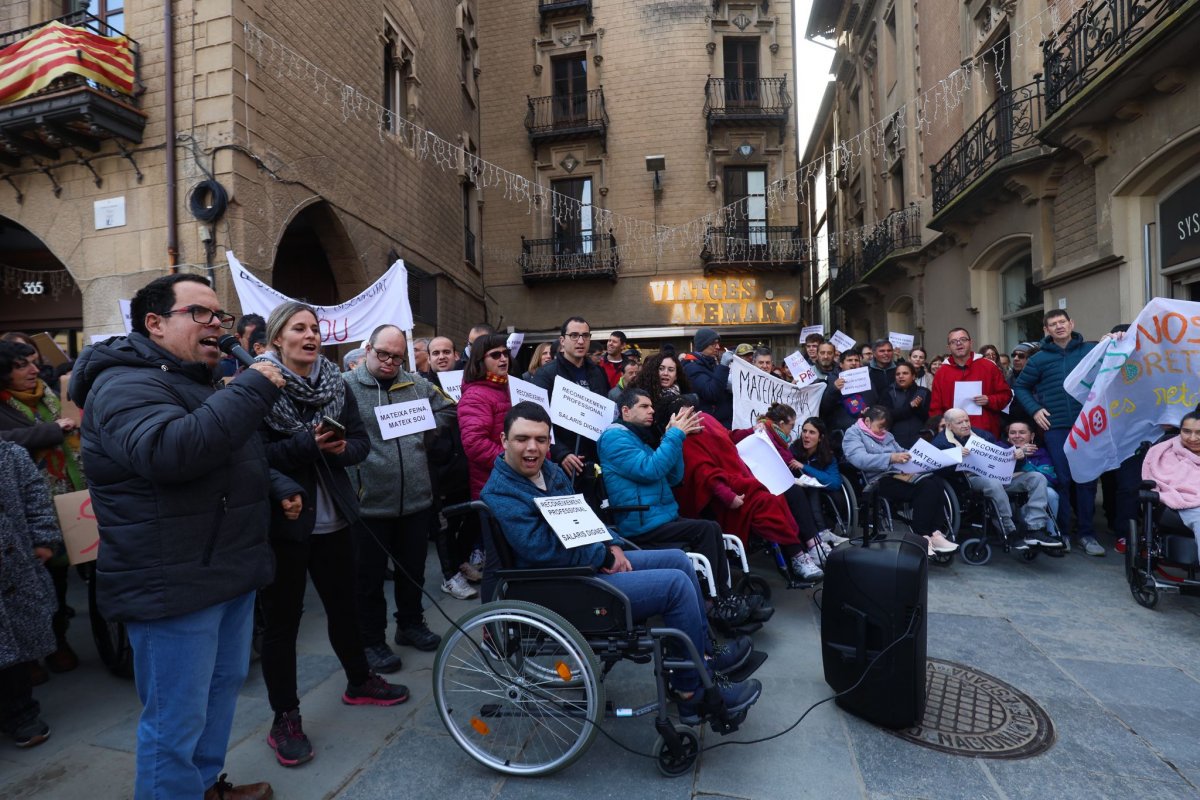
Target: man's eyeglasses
[
  {"x": 202, "y": 315},
  {"x": 1017, "y": 355},
  {"x": 960, "y": 340},
  {"x": 575, "y": 337},
  {"x": 496, "y": 355},
  {"x": 384, "y": 355}
]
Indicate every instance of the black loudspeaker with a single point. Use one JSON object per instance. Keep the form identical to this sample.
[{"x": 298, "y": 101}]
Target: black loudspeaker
[{"x": 872, "y": 596}]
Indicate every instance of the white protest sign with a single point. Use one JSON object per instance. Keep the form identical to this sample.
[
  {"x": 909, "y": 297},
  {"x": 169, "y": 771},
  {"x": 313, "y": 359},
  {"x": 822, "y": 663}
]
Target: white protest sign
[
  {"x": 802, "y": 372},
  {"x": 451, "y": 382},
  {"x": 572, "y": 520},
  {"x": 384, "y": 301},
  {"x": 927, "y": 458},
  {"x": 96, "y": 338},
  {"x": 754, "y": 391},
  {"x": 901, "y": 341},
  {"x": 520, "y": 391},
  {"x": 126, "y": 315},
  {"x": 809, "y": 330},
  {"x": 841, "y": 341},
  {"x": 763, "y": 460},
  {"x": 577, "y": 409},
  {"x": 515, "y": 340},
  {"x": 988, "y": 460},
  {"x": 401, "y": 419},
  {"x": 965, "y": 393},
  {"x": 857, "y": 380}
]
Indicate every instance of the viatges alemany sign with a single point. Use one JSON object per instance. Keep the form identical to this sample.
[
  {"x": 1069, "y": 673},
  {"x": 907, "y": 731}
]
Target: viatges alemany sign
[{"x": 723, "y": 301}]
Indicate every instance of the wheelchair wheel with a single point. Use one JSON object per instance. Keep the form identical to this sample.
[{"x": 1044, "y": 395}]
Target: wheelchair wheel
[
  {"x": 841, "y": 507},
  {"x": 975, "y": 552},
  {"x": 112, "y": 641},
  {"x": 952, "y": 513},
  {"x": 493, "y": 698},
  {"x": 670, "y": 765},
  {"x": 753, "y": 584},
  {"x": 1030, "y": 554},
  {"x": 1146, "y": 594}
]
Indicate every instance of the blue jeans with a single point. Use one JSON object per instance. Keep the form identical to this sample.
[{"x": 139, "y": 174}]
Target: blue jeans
[
  {"x": 188, "y": 670},
  {"x": 664, "y": 583},
  {"x": 1085, "y": 493}
]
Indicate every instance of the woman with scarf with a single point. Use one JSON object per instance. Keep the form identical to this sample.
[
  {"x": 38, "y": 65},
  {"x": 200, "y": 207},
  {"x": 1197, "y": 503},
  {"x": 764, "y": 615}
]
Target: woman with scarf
[
  {"x": 909, "y": 404},
  {"x": 869, "y": 448},
  {"x": 818, "y": 473},
  {"x": 31, "y": 415},
  {"x": 1174, "y": 466},
  {"x": 663, "y": 379},
  {"x": 922, "y": 376},
  {"x": 312, "y": 433}
]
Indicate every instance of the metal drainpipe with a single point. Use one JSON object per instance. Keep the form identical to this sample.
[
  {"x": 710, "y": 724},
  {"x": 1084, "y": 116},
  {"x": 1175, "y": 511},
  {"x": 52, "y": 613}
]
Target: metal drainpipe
[{"x": 169, "y": 97}]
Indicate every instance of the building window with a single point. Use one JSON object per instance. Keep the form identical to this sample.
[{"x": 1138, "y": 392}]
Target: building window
[
  {"x": 468, "y": 198},
  {"x": 572, "y": 210},
  {"x": 570, "y": 89},
  {"x": 397, "y": 69},
  {"x": 747, "y": 188},
  {"x": 741, "y": 73},
  {"x": 1022, "y": 303},
  {"x": 469, "y": 49},
  {"x": 110, "y": 12}
]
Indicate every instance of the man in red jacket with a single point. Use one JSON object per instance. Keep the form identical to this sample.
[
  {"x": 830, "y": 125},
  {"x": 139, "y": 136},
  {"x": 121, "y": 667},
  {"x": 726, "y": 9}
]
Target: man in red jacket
[{"x": 967, "y": 365}]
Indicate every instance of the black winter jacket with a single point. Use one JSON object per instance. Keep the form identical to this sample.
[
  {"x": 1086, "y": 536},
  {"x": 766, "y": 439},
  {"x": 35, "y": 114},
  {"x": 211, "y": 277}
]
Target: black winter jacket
[
  {"x": 568, "y": 442},
  {"x": 178, "y": 479}
]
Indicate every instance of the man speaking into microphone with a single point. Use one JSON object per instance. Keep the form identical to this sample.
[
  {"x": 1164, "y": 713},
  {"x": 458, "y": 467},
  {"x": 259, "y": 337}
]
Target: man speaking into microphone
[{"x": 181, "y": 491}]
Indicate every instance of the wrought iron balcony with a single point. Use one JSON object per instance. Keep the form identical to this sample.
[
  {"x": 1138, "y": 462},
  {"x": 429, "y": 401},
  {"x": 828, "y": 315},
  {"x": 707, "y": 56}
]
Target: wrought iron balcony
[
  {"x": 849, "y": 271},
  {"x": 1008, "y": 126},
  {"x": 92, "y": 95},
  {"x": 567, "y": 116},
  {"x": 566, "y": 258},
  {"x": 897, "y": 231},
  {"x": 744, "y": 245},
  {"x": 1098, "y": 36},
  {"x": 738, "y": 102},
  {"x": 562, "y": 8}
]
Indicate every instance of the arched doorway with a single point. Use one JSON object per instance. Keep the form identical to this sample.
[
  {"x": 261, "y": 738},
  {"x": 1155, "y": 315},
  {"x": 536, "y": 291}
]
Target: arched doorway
[
  {"x": 37, "y": 293},
  {"x": 315, "y": 259}
]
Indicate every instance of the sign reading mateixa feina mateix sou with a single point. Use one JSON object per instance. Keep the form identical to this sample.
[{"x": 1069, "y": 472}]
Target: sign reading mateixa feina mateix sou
[
  {"x": 723, "y": 301},
  {"x": 1132, "y": 386}
]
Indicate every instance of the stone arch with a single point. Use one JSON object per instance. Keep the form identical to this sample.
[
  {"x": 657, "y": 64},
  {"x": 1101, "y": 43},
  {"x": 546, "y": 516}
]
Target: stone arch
[
  {"x": 315, "y": 258},
  {"x": 987, "y": 290},
  {"x": 38, "y": 291},
  {"x": 900, "y": 315}
]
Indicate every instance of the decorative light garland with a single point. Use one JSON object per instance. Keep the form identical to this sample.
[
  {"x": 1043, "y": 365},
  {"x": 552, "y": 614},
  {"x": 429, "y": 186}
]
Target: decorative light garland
[{"x": 34, "y": 283}]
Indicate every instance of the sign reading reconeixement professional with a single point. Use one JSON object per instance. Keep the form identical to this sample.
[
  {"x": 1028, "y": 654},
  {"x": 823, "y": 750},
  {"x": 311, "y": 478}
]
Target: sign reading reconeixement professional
[
  {"x": 723, "y": 301},
  {"x": 1179, "y": 225}
]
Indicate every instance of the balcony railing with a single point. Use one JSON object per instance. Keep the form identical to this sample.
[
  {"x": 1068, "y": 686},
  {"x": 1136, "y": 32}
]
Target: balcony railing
[
  {"x": 895, "y": 232},
  {"x": 750, "y": 245},
  {"x": 565, "y": 258},
  {"x": 567, "y": 116},
  {"x": 1095, "y": 37},
  {"x": 557, "y": 8},
  {"x": 730, "y": 101},
  {"x": 1008, "y": 126},
  {"x": 73, "y": 110}
]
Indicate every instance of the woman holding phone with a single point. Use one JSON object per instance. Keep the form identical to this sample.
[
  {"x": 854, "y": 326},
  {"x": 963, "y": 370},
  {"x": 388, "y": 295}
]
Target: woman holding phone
[{"x": 312, "y": 433}]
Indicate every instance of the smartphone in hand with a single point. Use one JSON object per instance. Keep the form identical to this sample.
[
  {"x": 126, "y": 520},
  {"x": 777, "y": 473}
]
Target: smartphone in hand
[{"x": 328, "y": 423}]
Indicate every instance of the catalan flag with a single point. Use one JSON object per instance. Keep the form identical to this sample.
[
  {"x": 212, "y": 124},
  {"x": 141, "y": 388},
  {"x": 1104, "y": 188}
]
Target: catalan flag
[{"x": 55, "y": 50}]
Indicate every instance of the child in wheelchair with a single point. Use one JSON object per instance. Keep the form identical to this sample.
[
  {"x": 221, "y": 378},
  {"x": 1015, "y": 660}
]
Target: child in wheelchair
[{"x": 1174, "y": 466}]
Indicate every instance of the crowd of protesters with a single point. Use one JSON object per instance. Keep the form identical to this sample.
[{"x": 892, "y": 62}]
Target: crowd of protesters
[{"x": 219, "y": 485}]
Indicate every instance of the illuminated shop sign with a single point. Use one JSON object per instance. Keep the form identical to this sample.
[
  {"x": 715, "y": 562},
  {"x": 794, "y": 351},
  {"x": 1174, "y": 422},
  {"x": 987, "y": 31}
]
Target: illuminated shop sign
[{"x": 723, "y": 301}]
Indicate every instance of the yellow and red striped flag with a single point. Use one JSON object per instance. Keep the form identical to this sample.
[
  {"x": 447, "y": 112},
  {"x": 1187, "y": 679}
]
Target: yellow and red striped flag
[{"x": 55, "y": 50}]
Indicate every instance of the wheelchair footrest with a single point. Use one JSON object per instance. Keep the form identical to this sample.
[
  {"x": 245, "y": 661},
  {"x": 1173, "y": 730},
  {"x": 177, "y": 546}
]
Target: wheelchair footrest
[{"x": 755, "y": 660}]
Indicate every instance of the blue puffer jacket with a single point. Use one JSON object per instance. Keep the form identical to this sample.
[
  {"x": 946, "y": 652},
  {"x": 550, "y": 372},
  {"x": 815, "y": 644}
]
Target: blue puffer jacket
[
  {"x": 510, "y": 498},
  {"x": 178, "y": 478},
  {"x": 637, "y": 475},
  {"x": 1040, "y": 384}
]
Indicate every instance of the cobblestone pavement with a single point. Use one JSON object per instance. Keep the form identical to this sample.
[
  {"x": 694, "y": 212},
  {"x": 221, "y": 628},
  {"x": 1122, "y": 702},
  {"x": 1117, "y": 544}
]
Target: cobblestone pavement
[{"x": 1121, "y": 684}]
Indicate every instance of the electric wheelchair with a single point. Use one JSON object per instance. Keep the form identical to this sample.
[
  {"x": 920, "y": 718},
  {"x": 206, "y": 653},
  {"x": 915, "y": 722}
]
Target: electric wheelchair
[
  {"x": 519, "y": 681},
  {"x": 1160, "y": 539}
]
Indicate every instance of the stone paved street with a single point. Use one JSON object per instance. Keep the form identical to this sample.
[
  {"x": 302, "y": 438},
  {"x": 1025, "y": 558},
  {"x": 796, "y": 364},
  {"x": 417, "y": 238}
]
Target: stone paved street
[{"x": 1121, "y": 683}]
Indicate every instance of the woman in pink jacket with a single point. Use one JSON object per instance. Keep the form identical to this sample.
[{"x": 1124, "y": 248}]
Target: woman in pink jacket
[
  {"x": 482, "y": 407},
  {"x": 1174, "y": 466}
]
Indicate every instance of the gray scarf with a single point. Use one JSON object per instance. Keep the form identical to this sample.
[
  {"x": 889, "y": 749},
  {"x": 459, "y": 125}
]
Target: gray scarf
[{"x": 304, "y": 401}]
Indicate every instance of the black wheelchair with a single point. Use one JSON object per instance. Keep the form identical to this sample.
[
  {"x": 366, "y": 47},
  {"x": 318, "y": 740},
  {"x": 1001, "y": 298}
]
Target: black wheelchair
[
  {"x": 879, "y": 513},
  {"x": 1160, "y": 539},
  {"x": 520, "y": 687}
]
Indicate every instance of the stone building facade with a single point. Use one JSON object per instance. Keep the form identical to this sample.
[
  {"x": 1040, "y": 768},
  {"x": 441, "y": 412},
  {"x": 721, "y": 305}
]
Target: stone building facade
[
  {"x": 1053, "y": 154},
  {"x": 324, "y": 189},
  {"x": 638, "y": 122}
]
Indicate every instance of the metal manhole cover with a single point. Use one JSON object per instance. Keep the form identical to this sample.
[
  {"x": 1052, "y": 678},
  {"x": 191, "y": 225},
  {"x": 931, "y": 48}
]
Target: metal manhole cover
[{"x": 971, "y": 713}]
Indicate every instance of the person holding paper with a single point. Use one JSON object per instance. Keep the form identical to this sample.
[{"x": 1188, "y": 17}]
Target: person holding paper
[
  {"x": 966, "y": 365},
  {"x": 957, "y": 433},
  {"x": 28, "y": 538},
  {"x": 872, "y": 450},
  {"x": 826, "y": 363},
  {"x": 441, "y": 354},
  {"x": 640, "y": 468},
  {"x": 812, "y": 344},
  {"x": 841, "y": 411},
  {"x": 909, "y": 405},
  {"x": 814, "y": 452},
  {"x": 395, "y": 498},
  {"x": 657, "y": 582}
]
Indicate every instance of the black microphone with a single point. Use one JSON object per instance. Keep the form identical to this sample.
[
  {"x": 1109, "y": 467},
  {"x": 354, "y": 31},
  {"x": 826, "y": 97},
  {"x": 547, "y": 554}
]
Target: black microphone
[{"x": 231, "y": 347}]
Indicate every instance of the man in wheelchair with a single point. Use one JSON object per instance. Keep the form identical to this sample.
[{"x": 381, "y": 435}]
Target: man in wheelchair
[
  {"x": 1033, "y": 484},
  {"x": 657, "y": 582},
  {"x": 1174, "y": 466}
]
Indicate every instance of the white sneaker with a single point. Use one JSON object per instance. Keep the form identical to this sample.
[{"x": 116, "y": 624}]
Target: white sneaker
[
  {"x": 803, "y": 564},
  {"x": 457, "y": 586},
  {"x": 830, "y": 538},
  {"x": 940, "y": 544},
  {"x": 819, "y": 552}
]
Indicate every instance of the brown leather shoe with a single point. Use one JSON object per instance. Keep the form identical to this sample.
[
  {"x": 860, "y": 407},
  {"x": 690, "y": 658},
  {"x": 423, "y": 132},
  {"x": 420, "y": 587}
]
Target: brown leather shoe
[
  {"x": 37, "y": 674},
  {"x": 224, "y": 790},
  {"x": 62, "y": 660}
]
